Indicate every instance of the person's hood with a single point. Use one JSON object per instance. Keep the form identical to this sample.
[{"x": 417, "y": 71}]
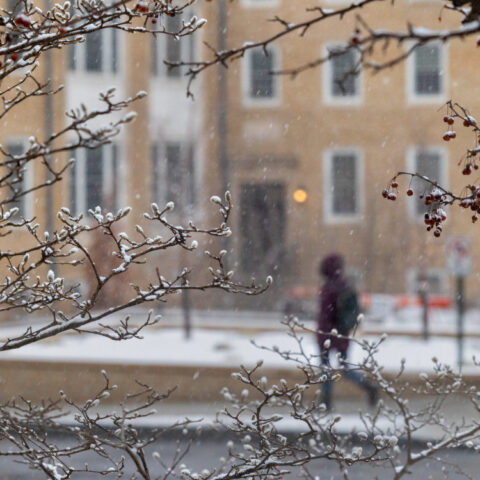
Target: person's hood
[{"x": 332, "y": 266}]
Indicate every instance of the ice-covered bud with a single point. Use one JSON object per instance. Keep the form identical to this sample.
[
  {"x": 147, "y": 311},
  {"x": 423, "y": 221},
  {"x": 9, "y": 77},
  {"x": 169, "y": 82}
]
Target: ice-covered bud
[
  {"x": 269, "y": 280},
  {"x": 334, "y": 331},
  {"x": 222, "y": 253},
  {"x": 194, "y": 245},
  {"x": 327, "y": 343},
  {"x": 244, "y": 393},
  {"x": 156, "y": 456},
  {"x": 362, "y": 435},
  {"x": 216, "y": 199},
  {"x": 357, "y": 452},
  {"x": 392, "y": 441},
  {"x": 230, "y": 444},
  {"x": 130, "y": 117},
  {"x": 51, "y": 276},
  {"x": 142, "y": 94},
  {"x": 469, "y": 444},
  {"x": 360, "y": 318},
  {"x": 201, "y": 22},
  {"x": 169, "y": 206}
]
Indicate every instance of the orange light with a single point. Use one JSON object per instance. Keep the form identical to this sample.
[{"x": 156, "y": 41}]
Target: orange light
[{"x": 300, "y": 195}]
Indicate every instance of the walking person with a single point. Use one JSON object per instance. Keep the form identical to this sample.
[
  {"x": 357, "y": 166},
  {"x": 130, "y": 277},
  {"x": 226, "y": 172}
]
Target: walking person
[{"x": 339, "y": 310}]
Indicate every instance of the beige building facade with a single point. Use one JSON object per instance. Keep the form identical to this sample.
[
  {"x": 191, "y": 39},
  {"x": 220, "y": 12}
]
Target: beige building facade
[
  {"x": 269, "y": 138},
  {"x": 341, "y": 146}
]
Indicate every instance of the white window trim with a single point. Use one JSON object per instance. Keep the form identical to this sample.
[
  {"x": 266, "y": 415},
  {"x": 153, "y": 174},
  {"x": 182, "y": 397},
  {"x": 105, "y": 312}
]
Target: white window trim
[
  {"x": 161, "y": 41},
  {"x": 27, "y": 208},
  {"x": 424, "y": 99},
  {"x": 260, "y": 3},
  {"x": 329, "y": 216},
  {"x": 253, "y": 102},
  {"x": 80, "y": 55},
  {"x": 107, "y": 185},
  {"x": 328, "y": 97},
  {"x": 411, "y": 167},
  {"x": 411, "y": 275}
]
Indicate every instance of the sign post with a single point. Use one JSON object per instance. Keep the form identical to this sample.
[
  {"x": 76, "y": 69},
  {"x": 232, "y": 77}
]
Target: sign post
[{"x": 459, "y": 262}]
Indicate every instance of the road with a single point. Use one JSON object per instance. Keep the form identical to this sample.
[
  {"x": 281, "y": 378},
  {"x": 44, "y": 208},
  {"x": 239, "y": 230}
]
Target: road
[{"x": 206, "y": 453}]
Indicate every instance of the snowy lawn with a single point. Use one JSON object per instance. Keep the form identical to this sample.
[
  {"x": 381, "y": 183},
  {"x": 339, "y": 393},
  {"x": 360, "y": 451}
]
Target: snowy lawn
[{"x": 230, "y": 349}]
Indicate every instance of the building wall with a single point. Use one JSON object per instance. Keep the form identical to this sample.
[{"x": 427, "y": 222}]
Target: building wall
[{"x": 286, "y": 143}]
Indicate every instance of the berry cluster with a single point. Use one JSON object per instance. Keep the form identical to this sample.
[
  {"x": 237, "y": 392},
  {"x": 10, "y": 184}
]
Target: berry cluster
[
  {"x": 434, "y": 200},
  {"x": 472, "y": 201},
  {"x": 391, "y": 193},
  {"x": 437, "y": 215}
]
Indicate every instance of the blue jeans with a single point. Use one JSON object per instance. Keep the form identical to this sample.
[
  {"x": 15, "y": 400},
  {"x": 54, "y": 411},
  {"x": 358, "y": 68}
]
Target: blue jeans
[{"x": 353, "y": 376}]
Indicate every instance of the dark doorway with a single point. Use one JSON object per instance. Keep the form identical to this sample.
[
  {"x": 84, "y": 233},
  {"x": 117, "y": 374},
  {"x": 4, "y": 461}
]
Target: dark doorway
[{"x": 262, "y": 228}]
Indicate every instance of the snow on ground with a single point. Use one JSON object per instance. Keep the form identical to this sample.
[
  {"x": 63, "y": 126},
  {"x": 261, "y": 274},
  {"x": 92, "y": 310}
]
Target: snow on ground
[{"x": 232, "y": 348}]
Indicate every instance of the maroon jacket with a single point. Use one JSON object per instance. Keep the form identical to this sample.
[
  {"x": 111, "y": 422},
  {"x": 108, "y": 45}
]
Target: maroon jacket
[{"x": 332, "y": 269}]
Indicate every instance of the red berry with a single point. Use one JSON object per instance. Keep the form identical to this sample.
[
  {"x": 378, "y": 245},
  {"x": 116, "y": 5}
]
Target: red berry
[
  {"x": 446, "y": 137},
  {"x": 453, "y": 135},
  {"x": 466, "y": 123},
  {"x": 474, "y": 218},
  {"x": 384, "y": 193},
  {"x": 445, "y": 118},
  {"x": 451, "y": 121},
  {"x": 392, "y": 196},
  {"x": 409, "y": 192},
  {"x": 437, "y": 233},
  {"x": 14, "y": 57},
  {"x": 394, "y": 184}
]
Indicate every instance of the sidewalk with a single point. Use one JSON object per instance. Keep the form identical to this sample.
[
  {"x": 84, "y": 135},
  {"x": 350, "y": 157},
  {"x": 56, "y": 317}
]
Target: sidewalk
[{"x": 458, "y": 410}]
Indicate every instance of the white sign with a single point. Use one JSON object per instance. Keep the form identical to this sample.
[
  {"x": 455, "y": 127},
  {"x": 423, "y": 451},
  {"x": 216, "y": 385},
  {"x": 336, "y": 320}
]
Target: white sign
[{"x": 459, "y": 256}]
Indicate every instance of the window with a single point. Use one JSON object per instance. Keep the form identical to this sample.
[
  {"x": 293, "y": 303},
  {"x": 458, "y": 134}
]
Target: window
[
  {"x": 342, "y": 185},
  {"x": 95, "y": 179},
  {"x": 24, "y": 181},
  {"x": 262, "y": 227},
  {"x": 171, "y": 48},
  {"x": 427, "y": 72},
  {"x": 98, "y": 54},
  {"x": 341, "y": 84},
  {"x": 173, "y": 174},
  {"x": 260, "y": 86},
  {"x": 428, "y": 162}
]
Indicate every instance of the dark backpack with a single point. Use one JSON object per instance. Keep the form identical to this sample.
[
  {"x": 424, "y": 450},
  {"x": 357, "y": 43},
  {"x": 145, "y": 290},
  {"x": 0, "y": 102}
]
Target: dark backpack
[{"x": 348, "y": 309}]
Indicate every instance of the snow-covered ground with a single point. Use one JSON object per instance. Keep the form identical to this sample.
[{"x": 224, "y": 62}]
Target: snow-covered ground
[{"x": 216, "y": 347}]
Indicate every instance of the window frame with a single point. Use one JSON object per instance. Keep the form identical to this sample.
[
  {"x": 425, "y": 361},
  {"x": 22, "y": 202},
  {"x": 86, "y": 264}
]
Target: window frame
[
  {"x": 422, "y": 98},
  {"x": 158, "y": 53},
  {"x": 26, "y": 205},
  {"x": 412, "y": 167},
  {"x": 77, "y": 62},
  {"x": 330, "y": 217},
  {"x": 79, "y": 177},
  {"x": 327, "y": 73},
  {"x": 261, "y": 102}
]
